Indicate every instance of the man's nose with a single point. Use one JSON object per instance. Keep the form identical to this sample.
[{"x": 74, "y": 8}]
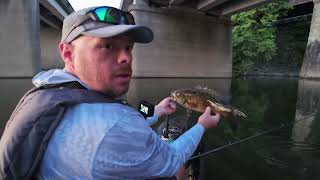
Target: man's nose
[{"x": 124, "y": 57}]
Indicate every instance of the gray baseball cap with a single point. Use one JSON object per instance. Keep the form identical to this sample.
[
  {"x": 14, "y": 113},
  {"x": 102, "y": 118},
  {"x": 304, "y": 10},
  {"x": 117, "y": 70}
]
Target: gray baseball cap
[{"x": 79, "y": 23}]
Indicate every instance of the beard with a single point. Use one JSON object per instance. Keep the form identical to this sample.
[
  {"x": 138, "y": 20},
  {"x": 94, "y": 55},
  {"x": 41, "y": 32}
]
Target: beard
[
  {"x": 117, "y": 91},
  {"x": 120, "y": 82}
]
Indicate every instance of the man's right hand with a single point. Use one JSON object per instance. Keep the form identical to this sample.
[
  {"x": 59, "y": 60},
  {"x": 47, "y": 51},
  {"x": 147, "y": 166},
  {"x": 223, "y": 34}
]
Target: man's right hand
[{"x": 207, "y": 120}]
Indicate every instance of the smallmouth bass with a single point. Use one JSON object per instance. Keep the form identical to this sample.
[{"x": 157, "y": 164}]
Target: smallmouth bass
[{"x": 197, "y": 99}]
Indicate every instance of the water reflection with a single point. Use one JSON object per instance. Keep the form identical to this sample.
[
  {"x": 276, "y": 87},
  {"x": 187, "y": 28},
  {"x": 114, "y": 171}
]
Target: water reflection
[
  {"x": 305, "y": 132},
  {"x": 12, "y": 89},
  {"x": 307, "y": 112},
  {"x": 268, "y": 103}
]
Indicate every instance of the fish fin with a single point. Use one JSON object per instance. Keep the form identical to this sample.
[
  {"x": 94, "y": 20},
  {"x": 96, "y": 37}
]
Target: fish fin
[
  {"x": 238, "y": 114},
  {"x": 184, "y": 101},
  {"x": 218, "y": 106},
  {"x": 208, "y": 91},
  {"x": 212, "y": 105},
  {"x": 215, "y": 94},
  {"x": 199, "y": 87},
  {"x": 232, "y": 120},
  {"x": 235, "y": 120}
]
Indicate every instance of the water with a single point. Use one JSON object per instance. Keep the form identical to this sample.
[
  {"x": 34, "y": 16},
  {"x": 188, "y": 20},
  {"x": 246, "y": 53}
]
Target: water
[{"x": 292, "y": 152}]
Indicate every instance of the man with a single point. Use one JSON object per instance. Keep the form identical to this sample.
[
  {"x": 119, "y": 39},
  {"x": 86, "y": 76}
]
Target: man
[{"x": 101, "y": 140}]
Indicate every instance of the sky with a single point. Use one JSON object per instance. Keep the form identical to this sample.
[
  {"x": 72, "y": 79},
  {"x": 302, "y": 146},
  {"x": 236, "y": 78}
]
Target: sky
[{"x": 80, "y": 4}]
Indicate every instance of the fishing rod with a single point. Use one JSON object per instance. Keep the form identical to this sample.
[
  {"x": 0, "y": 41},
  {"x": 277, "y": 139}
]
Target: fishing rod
[
  {"x": 166, "y": 134},
  {"x": 249, "y": 138}
]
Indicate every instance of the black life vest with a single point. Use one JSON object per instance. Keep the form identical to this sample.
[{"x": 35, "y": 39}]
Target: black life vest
[{"x": 32, "y": 123}]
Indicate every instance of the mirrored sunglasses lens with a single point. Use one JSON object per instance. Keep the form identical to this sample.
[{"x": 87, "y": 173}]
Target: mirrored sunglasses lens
[
  {"x": 112, "y": 15},
  {"x": 101, "y": 13}
]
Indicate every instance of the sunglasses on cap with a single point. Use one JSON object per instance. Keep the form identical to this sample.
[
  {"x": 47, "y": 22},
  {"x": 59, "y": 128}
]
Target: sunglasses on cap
[{"x": 111, "y": 15}]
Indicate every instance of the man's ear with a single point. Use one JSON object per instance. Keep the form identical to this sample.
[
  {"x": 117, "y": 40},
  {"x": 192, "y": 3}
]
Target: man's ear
[{"x": 66, "y": 52}]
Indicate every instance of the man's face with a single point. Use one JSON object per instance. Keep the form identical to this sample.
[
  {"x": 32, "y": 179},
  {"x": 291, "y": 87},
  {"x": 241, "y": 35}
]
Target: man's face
[{"x": 104, "y": 64}]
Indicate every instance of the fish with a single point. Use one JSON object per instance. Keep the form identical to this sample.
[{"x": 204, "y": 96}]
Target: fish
[{"x": 198, "y": 98}]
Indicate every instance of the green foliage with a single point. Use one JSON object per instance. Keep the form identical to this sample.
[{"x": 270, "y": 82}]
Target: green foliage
[{"x": 254, "y": 36}]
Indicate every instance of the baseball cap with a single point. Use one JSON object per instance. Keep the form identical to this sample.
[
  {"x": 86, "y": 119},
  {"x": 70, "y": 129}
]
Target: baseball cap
[{"x": 103, "y": 21}]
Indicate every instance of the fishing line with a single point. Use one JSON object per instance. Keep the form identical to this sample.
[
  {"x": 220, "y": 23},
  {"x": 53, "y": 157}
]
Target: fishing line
[{"x": 250, "y": 137}]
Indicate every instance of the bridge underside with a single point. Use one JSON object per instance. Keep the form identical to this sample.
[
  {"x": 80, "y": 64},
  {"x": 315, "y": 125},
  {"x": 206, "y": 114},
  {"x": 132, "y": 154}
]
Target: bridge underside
[
  {"x": 187, "y": 44},
  {"x": 216, "y": 7},
  {"x": 192, "y": 38}
]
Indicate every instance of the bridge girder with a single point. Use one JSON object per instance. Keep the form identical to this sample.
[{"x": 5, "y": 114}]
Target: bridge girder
[
  {"x": 54, "y": 8},
  {"x": 52, "y": 12},
  {"x": 177, "y": 2},
  {"x": 205, "y": 5},
  {"x": 217, "y": 7},
  {"x": 297, "y": 2},
  {"x": 232, "y": 7}
]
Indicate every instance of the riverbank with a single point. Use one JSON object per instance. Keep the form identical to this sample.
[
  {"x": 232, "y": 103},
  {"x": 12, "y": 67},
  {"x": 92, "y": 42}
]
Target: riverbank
[{"x": 283, "y": 70}]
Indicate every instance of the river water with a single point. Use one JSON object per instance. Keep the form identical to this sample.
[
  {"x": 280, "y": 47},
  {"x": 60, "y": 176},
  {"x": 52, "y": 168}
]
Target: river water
[{"x": 292, "y": 152}]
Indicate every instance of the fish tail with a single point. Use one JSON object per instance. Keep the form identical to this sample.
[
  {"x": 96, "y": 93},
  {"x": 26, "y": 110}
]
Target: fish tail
[
  {"x": 238, "y": 114},
  {"x": 235, "y": 120},
  {"x": 231, "y": 120},
  {"x": 213, "y": 106},
  {"x": 232, "y": 115}
]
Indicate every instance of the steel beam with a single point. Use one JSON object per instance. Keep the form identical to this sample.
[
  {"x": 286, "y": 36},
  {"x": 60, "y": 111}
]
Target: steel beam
[
  {"x": 159, "y": 2},
  {"x": 54, "y": 8},
  {"x": 177, "y": 2},
  {"x": 205, "y": 5},
  {"x": 297, "y": 2},
  {"x": 233, "y": 7},
  {"x": 49, "y": 22}
]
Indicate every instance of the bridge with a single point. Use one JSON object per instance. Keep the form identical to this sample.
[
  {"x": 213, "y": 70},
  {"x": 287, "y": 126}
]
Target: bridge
[{"x": 192, "y": 38}]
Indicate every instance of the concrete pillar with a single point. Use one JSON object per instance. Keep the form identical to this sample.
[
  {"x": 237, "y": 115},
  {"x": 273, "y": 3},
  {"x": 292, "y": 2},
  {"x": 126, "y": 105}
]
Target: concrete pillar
[
  {"x": 307, "y": 111},
  {"x": 19, "y": 38},
  {"x": 49, "y": 40},
  {"x": 311, "y": 63},
  {"x": 187, "y": 43}
]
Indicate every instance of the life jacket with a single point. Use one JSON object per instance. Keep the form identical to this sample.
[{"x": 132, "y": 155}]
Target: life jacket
[{"x": 32, "y": 123}]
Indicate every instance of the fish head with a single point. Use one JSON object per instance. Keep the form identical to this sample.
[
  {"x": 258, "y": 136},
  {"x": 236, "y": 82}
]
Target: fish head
[
  {"x": 178, "y": 96},
  {"x": 183, "y": 96}
]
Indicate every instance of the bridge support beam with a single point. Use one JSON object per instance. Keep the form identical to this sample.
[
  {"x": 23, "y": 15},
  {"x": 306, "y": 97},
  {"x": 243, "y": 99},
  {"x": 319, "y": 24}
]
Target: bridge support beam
[
  {"x": 19, "y": 38},
  {"x": 311, "y": 63},
  {"x": 306, "y": 123},
  {"x": 187, "y": 44},
  {"x": 230, "y": 8}
]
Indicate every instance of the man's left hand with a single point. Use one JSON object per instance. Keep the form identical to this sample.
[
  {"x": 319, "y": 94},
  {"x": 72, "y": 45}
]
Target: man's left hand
[{"x": 165, "y": 107}]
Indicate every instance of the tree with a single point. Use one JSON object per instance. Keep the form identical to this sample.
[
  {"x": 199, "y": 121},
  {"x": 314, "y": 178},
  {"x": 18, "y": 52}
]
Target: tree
[{"x": 254, "y": 36}]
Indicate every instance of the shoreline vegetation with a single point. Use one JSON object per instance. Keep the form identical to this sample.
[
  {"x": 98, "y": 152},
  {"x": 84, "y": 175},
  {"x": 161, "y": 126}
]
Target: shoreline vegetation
[{"x": 266, "y": 44}]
